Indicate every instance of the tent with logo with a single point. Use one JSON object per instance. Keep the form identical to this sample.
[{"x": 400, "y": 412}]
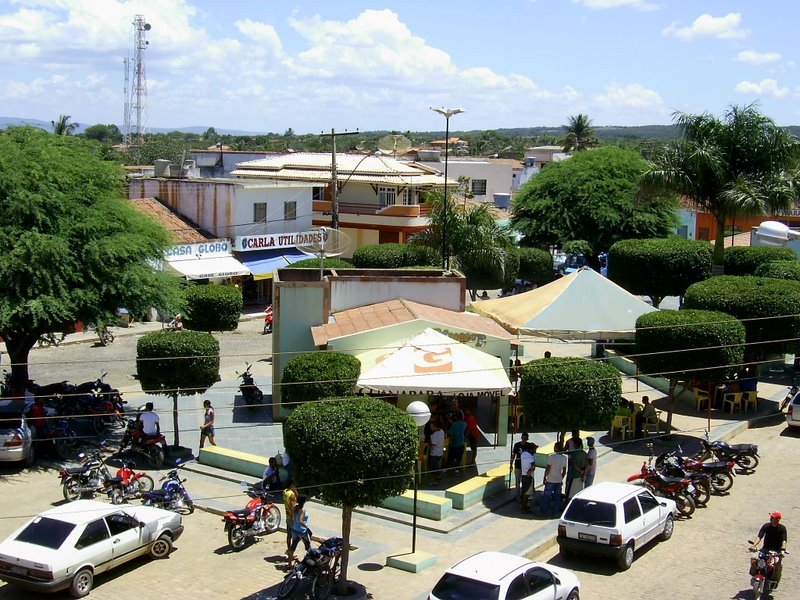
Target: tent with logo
[{"x": 582, "y": 305}]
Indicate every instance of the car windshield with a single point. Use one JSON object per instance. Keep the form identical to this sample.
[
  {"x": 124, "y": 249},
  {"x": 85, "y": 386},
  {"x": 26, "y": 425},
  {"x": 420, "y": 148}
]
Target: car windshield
[
  {"x": 591, "y": 512},
  {"x": 455, "y": 587},
  {"x": 7, "y": 422},
  {"x": 46, "y": 532}
]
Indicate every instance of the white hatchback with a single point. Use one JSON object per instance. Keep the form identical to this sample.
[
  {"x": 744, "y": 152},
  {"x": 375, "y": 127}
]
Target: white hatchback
[{"x": 614, "y": 520}]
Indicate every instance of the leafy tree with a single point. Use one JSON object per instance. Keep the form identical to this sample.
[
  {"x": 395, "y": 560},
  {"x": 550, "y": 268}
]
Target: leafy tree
[
  {"x": 688, "y": 344},
  {"x": 779, "y": 269},
  {"x": 659, "y": 267},
  {"x": 105, "y": 134},
  {"x": 71, "y": 247},
  {"x": 63, "y": 125},
  {"x": 177, "y": 363},
  {"x": 569, "y": 393},
  {"x": 210, "y": 134},
  {"x": 171, "y": 148},
  {"x": 744, "y": 260},
  {"x": 740, "y": 165},
  {"x": 311, "y": 377},
  {"x": 591, "y": 197},
  {"x": 580, "y": 134},
  {"x": 212, "y": 307},
  {"x": 767, "y": 307},
  {"x": 536, "y": 265},
  {"x": 351, "y": 452}
]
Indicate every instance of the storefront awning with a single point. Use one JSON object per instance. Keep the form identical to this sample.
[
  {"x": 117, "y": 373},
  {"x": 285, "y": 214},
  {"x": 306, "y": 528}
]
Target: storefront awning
[
  {"x": 263, "y": 263},
  {"x": 432, "y": 363},
  {"x": 211, "y": 267}
]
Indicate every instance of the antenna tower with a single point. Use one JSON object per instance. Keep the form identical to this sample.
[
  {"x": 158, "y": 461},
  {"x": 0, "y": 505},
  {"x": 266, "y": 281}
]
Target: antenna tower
[
  {"x": 136, "y": 103},
  {"x": 126, "y": 115}
]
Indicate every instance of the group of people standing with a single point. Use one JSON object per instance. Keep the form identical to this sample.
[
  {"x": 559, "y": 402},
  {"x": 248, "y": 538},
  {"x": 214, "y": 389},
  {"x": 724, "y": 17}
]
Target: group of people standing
[
  {"x": 457, "y": 426},
  {"x": 569, "y": 469}
]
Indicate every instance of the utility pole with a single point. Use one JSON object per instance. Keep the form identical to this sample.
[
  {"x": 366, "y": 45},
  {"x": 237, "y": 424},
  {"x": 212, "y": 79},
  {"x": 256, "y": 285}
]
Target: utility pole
[{"x": 334, "y": 180}]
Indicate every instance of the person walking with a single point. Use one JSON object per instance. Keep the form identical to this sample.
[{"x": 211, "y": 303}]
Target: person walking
[
  {"x": 516, "y": 463},
  {"x": 591, "y": 462},
  {"x": 457, "y": 433},
  {"x": 207, "y": 429},
  {"x": 554, "y": 474},
  {"x": 473, "y": 434},
  {"x": 289, "y": 502},
  {"x": 528, "y": 462},
  {"x": 300, "y": 529},
  {"x": 435, "y": 453},
  {"x": 569, "y": 448}
]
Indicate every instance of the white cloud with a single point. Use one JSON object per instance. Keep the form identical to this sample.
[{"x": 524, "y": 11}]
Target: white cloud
[
  {"x": 707, "y": 26},
  {"x": 633, "y": 95},
  {"x": 757, "y": 58},
  {"x": 765, "y": 87},
  {"x": 602, "y": 4}
]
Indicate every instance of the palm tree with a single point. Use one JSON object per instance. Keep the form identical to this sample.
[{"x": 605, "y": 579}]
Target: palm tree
[
  {"x": 63, "y": 126},
  {"x": 740, "y": 165},
  {"x": 580, "y": 134}
]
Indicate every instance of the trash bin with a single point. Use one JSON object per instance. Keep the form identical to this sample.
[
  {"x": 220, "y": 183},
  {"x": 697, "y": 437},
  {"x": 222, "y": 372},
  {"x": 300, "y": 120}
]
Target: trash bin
[{"x": 124, "y": 317}]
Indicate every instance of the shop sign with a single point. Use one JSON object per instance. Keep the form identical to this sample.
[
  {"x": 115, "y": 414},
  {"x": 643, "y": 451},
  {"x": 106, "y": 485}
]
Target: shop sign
[
  {"x": 278, "y": 240},
  {"x": 203, "y": 250}
]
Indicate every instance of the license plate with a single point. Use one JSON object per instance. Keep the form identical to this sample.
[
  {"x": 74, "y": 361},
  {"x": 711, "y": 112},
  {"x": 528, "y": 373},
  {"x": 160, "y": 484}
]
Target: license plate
[
  {"x": 19, "y": 570},
  {"x": 587, "y": 537}
]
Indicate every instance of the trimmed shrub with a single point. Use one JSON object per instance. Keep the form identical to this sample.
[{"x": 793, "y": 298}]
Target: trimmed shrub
[
  {"x": 570, "y": 393},
  {"x": 327, "y": 263},
  {"x": 183, "y": 360},
  {"x": 536, "y": 265},
  {"x": 482, "y": 277},
  {"x": 212, "y": 307},
  {"x": 421, "y": 256},
  {"x": 689, "y": 344},
  {"x": 767, "y": 307},
  {"x": 395, "y": 256},
  {"x": 659, "y": 267},
  {"x": 743, "y": 260},
  {"x": 324, "y": 374},
  {"x": 779, "y": 269}
]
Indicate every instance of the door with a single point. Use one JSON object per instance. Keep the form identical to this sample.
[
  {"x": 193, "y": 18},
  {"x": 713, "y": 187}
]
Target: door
[
  {"x": 652, "y": 513},
  {"x": 634, "y": 523},
  {"x": 541, "y": 584},
  {"x": 125, "y": 536},
  {"x": 94, "y": 546}
]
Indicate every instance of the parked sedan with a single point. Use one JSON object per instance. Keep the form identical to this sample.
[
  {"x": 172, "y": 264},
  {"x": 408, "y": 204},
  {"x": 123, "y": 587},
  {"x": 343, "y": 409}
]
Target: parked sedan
[
  {"x": 15, "y": 436},
  {"x": 500, "y": 576},
  {"x": 66, "y": 546}
]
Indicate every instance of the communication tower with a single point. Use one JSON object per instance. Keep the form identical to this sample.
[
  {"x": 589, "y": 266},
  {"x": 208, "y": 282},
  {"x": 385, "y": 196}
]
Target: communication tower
[{"x": 136, "y": 101}]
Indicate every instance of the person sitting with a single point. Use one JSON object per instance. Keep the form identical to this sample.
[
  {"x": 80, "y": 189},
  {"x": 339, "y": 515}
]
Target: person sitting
[
  {"x": 272, "y": 476},
  {"x": 150, "y": 424}
]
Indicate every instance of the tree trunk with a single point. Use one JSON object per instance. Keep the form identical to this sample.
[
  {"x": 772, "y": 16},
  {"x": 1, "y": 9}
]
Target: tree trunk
[
  {"x": 672, "y": 383},
  {"x": 175, "y": 418},
  {"x": 347, "y": 519},
  {"x": 718, "y": 259},
  {"x": 18, "y": 349}
]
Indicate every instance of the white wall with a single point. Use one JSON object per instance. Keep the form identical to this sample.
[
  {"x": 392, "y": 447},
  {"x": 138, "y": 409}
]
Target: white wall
[{"x": 498, "y": 175}]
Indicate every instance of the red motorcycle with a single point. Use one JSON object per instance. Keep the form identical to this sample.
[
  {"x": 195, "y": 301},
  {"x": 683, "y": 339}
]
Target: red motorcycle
[
  {"x": 268, "y": 320},
  {"x": 679, "y": 489},
  {"x": 146, "y": 445},
  {"x": 128, "y": 484},
  {"x": 259, "y": 518}
]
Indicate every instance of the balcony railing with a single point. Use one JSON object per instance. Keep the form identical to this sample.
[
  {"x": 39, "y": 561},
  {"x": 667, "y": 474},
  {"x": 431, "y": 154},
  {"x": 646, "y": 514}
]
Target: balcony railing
[{"x": 355, "y": 208}]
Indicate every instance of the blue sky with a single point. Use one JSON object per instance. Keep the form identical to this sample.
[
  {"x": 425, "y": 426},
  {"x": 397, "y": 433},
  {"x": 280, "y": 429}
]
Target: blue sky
[{"x": 268, "y": 65}]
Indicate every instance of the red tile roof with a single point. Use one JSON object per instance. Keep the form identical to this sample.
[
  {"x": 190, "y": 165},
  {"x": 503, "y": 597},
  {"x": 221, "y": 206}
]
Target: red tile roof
[{"x": 182, "y": 230}]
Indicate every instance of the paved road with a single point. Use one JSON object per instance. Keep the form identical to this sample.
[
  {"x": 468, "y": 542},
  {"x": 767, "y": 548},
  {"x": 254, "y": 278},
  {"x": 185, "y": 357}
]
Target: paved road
[{"x": 707, "y": 556}]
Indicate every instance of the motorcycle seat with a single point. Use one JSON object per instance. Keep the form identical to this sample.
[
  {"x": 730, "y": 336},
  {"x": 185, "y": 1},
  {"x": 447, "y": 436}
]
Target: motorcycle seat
[
  {"x": 74, "y": 470},
  {"x": 158, "y": 494},
  {"x": 718, "y": 465},
  {"x": 668, "y": 479},
  {"x": 241, "y": 513},
  {"x": 114, "y": 480},
  {"x": 740, "y": 448}
]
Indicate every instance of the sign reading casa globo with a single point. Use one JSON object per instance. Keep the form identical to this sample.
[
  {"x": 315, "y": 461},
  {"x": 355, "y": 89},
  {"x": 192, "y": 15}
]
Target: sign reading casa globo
[{"x": 276, "y": 240}]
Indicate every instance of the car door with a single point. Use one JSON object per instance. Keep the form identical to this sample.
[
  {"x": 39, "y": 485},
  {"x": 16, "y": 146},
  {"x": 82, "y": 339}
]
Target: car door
[
  {"x": 652, "y": 514},
  {"x": 517, "y": 589},
  {"x": 94, "y": 546},
  {"x": 541, "y": 584},
  {"x": 125, "y": 536},
  {"x": 634, "y": 524}
]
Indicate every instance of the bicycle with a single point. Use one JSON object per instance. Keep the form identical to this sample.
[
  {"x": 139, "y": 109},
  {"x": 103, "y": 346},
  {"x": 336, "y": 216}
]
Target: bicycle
[
  {"x": 104, "y": 334},
  {"x": 50, "y": 339}
]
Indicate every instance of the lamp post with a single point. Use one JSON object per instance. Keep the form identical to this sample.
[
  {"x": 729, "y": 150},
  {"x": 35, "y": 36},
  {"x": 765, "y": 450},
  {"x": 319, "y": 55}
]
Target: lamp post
[
  {"x": 447, "y": 112},
  {"x": 420, "y": 412}
]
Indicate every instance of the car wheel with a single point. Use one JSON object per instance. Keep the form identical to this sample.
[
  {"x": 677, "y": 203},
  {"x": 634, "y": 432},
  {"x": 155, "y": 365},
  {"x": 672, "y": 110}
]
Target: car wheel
[
  {"x": 82, "y": 583},
  {"x": 625, "y": 560},
  {"x": 161, "y": 547},
  {"x": 574, "y": 595},
  {"x": 669, "y": 527},
  {"x": 31, "y": 458}
]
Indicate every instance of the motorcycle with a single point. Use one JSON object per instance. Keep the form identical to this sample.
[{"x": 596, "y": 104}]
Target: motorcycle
[
  {"x": 319, "y": 568},
  {"x": 260, "y": 517},
  {"x": 720, "y": 473},
  {"x": 104, "y": 334},
  {"x": 268, "y": 320},
  {"x": 763, "y": 567},
  {"x": 63, "y": 438},
  {"x": 744, "y": 455},
  {"x": 679, "y": 489},
  {"x": 171, "y": 496},
  {"x": 128, "y": 484},
  {"x": 794, "y": 389},
  {"x": 176, "y": 324},
  {"x": 87, "y": 480},
  {"x": 252, "y": 395},
  {"x": 135, "y": 441},
  {"x": 671, "y": 465}
]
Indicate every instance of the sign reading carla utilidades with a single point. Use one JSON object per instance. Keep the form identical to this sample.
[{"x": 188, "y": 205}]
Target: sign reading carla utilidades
[{"x": 269, "y": 241}]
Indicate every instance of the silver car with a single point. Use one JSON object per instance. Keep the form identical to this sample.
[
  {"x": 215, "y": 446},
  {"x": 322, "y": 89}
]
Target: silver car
[{"x": 16, "y": 440}]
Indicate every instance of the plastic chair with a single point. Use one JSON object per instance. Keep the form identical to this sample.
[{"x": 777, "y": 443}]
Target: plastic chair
[
  {"x": 701, "y": 399},
  {"x": 422, "y": 457},
  {"x": 652, "y": 422},
  {"x": 750, "y": 400},
  {"x": 517, "y": 417},
  {"x": 734, "y": 399},
  {"x": 621, "y": 424}
]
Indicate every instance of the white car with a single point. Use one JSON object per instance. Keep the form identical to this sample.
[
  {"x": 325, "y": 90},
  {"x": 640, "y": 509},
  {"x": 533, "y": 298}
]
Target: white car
[
  {"x": 67, "y": 546},
  {"x": 614, "y": 520},
  {"x": 793, "y": 410},
  {"x": 501, "y": 576}
]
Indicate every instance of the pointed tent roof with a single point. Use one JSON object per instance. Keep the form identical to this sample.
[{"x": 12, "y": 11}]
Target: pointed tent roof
[
  {"x": 432, "y": 363},
  {"x": 583, "y": 304}
]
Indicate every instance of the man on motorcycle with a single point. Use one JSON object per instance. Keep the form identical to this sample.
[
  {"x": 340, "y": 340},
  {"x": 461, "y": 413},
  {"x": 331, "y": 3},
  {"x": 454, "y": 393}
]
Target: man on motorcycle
[
  {"x": 150, "y": 422},
  {"x": 774, "y": 536}
]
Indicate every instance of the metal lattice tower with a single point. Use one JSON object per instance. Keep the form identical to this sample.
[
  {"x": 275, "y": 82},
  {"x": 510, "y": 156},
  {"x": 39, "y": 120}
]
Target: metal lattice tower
[
  {"x": 126, "y": 115},
  {"x": 136, "y": 103}
]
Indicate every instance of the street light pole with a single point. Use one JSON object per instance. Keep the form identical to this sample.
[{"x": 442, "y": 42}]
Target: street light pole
[
  {"x": 447, "y": 112},
  {"x": 420, "y": 412}
]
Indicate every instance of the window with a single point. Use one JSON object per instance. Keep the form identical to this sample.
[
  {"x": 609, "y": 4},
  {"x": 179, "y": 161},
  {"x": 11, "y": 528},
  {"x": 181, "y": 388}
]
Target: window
[
  {"x": 539, "y": 579},
  {"x": 648, "y": 502},
  {"x": 387, "y": 196},
  {"x": 602, "y": 514},
  {"x": 408, "y": 196},
  {"x": 455, "y": 587},
  {"x": 517, "y": 590},
  {"x": 259, "y": 212},
  {"x": 479, "y": 187},
  {"x": 46, "y": 532},
  {"x": 290, "y": 211},
  {"x": 95, "y": 532},
  {"x": 317, "y": 193},
  {"x": 120, "y": 522},
  {"x": 631, "y": 509}
]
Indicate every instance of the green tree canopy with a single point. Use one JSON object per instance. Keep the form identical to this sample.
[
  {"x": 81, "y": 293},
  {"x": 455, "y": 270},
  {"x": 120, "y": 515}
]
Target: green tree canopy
[
  {"x": 71, "y": 247},
  {"x": 351, "y": 452},
  {"x": 745, "y": 260},
  {"x": 580, "y": 134},
  {"x": 317, "y": 375},
  {"x": 536, "y": 265},
  {"x": 659, "y": 267},
  {"x": 592, "y": 197},
  {"x": 212, "y": 307},
  {"x": 740, "y": 165},
  {"x": 105, "y": 134},
  {"x": 64, "y": 125}
]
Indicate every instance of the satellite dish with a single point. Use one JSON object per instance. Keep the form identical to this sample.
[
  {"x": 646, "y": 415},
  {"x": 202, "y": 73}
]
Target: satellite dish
[
  {"x": 394, "y": 144},
  {"x": 325, "y": 242}
]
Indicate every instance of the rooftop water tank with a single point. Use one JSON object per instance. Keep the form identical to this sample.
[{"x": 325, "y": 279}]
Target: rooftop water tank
[
  {"x": 502, "y": 200},
  {"x": 429, "y": 155}
]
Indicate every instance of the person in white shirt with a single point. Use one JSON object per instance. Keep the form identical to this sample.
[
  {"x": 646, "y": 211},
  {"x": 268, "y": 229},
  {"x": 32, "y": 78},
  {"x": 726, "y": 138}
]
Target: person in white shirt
[
  {"x": 435, "y": 453},
  {"x": 591, "y": 463},
  {"x": 554, "y": 474},
  {"x": 149, "y": 420},
  {"x": 528, "y": 465}
]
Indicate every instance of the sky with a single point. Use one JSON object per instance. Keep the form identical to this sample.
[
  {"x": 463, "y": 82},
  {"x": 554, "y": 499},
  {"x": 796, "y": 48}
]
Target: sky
[{"x": 316, "y": 65}]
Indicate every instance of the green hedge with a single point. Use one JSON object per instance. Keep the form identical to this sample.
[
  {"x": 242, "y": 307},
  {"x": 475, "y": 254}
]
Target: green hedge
[
  {"x": 570, "y": 392},
  {"x": 327, "y": 263},
  {"x": 395, "y": 256},
  {"x": 187, "y": 361},
  {"x": 536, "y": 265},
  {"x": 212, "y": 307},
  {"x": 689, "y": 344},
  {"x": 323, "y": 374},
  {"x": 779, "y": 269},
  {"x": 767, "y": 307},
  {"x": 744, "y": 260}
]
